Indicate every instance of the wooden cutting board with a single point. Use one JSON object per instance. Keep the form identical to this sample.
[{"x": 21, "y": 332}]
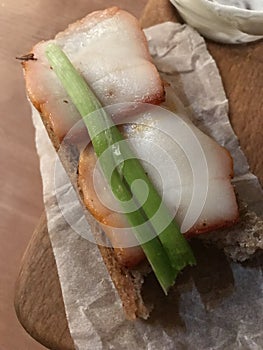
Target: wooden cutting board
[{"x": 38, "y": 299}]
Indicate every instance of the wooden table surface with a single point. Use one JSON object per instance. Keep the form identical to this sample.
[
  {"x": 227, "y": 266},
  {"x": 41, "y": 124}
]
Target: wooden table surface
[{"x": 38, "y": 297}]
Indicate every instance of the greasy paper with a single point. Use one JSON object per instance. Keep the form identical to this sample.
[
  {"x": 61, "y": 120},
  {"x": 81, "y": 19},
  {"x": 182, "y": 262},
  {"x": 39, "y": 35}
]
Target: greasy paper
[{"x": 216, "y": 305}]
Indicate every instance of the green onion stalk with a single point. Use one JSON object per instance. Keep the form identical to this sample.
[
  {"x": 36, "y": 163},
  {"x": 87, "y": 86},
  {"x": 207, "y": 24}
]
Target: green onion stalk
[{"x": 156, "y": 230}]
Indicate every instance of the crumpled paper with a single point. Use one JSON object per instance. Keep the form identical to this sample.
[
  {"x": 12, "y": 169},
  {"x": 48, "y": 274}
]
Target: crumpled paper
[{"x": 216, "y": 305}]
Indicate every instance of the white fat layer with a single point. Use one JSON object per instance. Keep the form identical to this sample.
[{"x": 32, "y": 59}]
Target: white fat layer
[
  {"x": 171, "y": 171},
  {"x": 111, "y": 54}
]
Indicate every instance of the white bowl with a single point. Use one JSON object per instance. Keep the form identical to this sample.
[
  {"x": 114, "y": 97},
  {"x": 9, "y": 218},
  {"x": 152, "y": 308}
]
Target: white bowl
[{"x": 227, "y": 21}]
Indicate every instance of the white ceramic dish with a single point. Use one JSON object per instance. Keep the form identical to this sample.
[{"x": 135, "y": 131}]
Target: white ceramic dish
[{"x": 227, "y": 21}]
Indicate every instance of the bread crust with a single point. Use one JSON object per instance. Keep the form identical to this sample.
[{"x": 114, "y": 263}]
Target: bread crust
[{"x": 127, "y": 282}]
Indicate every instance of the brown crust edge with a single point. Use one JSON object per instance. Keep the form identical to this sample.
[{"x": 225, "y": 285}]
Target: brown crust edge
[{"x": 127, "y": 283}]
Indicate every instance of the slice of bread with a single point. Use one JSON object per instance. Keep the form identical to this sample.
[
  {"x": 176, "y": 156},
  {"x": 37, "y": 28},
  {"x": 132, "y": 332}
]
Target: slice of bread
[{"x": 127, "y": 282}]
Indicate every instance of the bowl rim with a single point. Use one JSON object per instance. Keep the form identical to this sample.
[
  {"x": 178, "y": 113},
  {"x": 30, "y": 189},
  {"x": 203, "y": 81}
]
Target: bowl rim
[{"x": 212, "y": 4}]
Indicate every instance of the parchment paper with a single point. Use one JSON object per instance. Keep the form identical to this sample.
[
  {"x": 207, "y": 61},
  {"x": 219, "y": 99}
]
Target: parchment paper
[{"x": 216, "y": 305}]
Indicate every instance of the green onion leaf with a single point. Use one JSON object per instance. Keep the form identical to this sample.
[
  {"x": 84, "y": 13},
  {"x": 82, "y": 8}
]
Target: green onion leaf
[{"x": 168, "y": 252}]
